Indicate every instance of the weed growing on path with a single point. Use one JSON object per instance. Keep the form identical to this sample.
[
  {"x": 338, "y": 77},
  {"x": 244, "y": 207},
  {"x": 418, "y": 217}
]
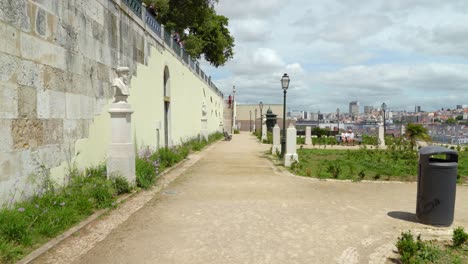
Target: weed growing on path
[{"x": 419, "y": 251}]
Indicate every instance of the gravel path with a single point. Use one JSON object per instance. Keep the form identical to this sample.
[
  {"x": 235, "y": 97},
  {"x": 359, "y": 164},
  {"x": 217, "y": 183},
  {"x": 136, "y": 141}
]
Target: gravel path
[{"x": 229, "y": 204}]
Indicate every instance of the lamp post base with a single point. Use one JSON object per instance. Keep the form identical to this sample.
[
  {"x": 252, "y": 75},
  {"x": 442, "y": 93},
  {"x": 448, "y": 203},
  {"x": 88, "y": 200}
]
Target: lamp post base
[{"x": 283, "y": 146}]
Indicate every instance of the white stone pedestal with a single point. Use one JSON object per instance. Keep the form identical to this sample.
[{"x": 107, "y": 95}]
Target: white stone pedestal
[
  {"x": 308, "y": 135},
  {"x": 264, "y": 129},
  {"x": 276, "y": 140},
  {"x": 291, "y": 154},
  {"x": 204, "y": 128},
  {"x": 121, "y": 152},
  {"x": 402, "y": 130},
  {"x": 381, "y": 136}
]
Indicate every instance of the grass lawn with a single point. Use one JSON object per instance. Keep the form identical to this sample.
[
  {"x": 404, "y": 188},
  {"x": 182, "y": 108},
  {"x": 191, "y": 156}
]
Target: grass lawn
[{"x": 365, "y": 164}]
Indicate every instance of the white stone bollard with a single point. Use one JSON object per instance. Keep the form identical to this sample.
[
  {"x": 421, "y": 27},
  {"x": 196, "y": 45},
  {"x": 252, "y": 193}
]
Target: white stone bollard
[
  {"x": 264, "y": 130},
  {"x": 381, "y": 136},
  {"x": 308, "y": 137},
  {"x": 276, "y": 140},
  {"x": 121, "y": 152},
  {"x": 291, "y": 154}
]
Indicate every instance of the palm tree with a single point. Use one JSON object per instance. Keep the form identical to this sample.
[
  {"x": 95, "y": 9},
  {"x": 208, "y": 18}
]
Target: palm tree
[{"x": 416, "y": 131}]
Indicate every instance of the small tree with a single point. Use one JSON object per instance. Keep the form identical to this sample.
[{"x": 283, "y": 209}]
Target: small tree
[{"x": 416, "y": 131}]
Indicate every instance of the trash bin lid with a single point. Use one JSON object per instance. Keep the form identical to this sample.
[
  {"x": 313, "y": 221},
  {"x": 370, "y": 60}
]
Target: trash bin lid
[{"x": 434, "y": 150}]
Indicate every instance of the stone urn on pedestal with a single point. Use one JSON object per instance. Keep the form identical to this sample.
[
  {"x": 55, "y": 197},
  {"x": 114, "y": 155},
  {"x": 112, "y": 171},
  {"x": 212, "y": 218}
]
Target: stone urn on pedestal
[{"x": 121, "y": 151}]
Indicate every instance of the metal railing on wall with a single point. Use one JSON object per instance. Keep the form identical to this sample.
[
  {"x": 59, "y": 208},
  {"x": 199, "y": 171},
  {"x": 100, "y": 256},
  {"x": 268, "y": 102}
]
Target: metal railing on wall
[
  {"x": 135, "y": 6},
  {"x": 154, "y": 25},
  {"x": 138, "y": 8}
]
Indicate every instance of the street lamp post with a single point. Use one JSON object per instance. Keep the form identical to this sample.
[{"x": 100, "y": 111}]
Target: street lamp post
[
  {"x": 250, "y": 121},
  {"x": 260, "y": 105},
  {"x": 233, "y": 121},
  {"x": 255, "y": 121},
  {"x": 384, "y": 108},
  {"x": 338, "y": 119},
  {"x": 284, "y": 84}
]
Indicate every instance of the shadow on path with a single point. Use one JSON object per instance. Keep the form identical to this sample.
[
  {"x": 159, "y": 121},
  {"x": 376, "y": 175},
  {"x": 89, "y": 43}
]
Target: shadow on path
[{"x": 410, "y": 217}]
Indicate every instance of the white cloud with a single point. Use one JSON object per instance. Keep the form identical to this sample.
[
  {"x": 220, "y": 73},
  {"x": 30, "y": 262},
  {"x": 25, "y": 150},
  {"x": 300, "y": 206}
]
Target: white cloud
[{"x": 402, "y": 52}]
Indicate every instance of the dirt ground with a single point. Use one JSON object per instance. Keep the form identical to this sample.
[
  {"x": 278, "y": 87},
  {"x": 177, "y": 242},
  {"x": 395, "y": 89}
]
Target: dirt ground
[{"x": 229, "y": 204}]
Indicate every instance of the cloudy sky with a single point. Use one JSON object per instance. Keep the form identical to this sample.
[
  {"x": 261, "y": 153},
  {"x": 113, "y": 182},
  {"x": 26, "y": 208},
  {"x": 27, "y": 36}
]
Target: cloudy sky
[{"x": 402, "y": 52}]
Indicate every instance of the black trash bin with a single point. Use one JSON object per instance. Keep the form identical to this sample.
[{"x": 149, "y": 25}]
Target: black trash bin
[{"x": 437, "y": 182}]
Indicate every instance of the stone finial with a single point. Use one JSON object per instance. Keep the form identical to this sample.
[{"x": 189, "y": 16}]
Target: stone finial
[{"x": 122, "y": 85}]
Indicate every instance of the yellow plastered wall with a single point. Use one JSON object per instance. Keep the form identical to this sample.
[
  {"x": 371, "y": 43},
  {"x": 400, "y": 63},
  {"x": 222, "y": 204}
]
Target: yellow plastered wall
[{"x": 187, "y": 94}]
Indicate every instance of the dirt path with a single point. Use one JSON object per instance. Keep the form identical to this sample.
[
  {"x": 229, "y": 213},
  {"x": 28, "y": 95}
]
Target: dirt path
[{"x": 233, "y": 206}]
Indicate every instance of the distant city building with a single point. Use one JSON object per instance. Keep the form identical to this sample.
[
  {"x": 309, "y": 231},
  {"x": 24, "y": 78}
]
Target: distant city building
[
  {"x": 296, "y": 114},
  {"x": 354, "y": 108},
  {"x": 417, "y": 109},
  {"x": 368, "y": 109},
  {"x": 462, "y": 106}
]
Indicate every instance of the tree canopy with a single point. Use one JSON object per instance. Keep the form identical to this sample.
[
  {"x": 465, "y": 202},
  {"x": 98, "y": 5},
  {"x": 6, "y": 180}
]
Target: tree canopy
[
  {"x": 416, "y": 131},
  {"x": 203, "y": 32}
]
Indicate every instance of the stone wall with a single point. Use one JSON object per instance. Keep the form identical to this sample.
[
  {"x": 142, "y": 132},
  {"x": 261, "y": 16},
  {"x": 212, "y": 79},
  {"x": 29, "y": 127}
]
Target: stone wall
[{"x": 57, "y": 62}]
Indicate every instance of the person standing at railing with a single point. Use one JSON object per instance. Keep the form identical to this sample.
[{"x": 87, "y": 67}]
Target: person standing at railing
[
  {"x": 152, "y": 10},
  {"x": 176, "y": 37}
]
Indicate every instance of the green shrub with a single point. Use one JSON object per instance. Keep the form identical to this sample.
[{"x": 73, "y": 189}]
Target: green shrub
[
  {"x": 14, "y": 225},
  {"x": 53, "y": 210},
  {"x": 334, "y": 169},
  {"x": 362, "y": 174},
  {"x": 412, "y": 251},
  {"x": 236, "y": 131},
  {"x": 300, "y": 140},
  {"x": 121, "y": 185},
  {"x": 198, "y": 145},
  {"x": 145, "y": 173},
  {"x": 459, "y": 237},
  {"x": 9, "y": 251},
  {"x": 98, "y": 171}
]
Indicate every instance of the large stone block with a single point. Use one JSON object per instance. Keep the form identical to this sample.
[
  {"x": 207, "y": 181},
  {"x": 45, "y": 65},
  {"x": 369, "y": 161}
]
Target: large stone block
[
  {"x": 56, "y": 104},
  {"x": 73, "y": 106},
  {"x": 6, "y": 141},
  {"x": 103, "y": 72},
  {"x": 88, "y": 105},
  {"x": 30, "y": 74},
  {"x": 41, "y": 51},
  {"x": 43, "y": 103},
  {"x": 8, "y": 67},
  {"x": 10, "y": 167},
  {"x": 67, "y": 36},
  {"x": 74, "y": 62},
  {"x": 27, "y": 102},
  {"x": 8, "y": 100},
  {"x": 51, "y": 104},
  {"x": 75, "y": 129},
  {"x": 27, "y": 133},
  {"x": 54, "y": 79},
  {"x": 53, "y": 131},
  {"x": 16, "y": 13},
  {"x": 10, "y": 39},
  {"x": 52, "y": 155}
]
